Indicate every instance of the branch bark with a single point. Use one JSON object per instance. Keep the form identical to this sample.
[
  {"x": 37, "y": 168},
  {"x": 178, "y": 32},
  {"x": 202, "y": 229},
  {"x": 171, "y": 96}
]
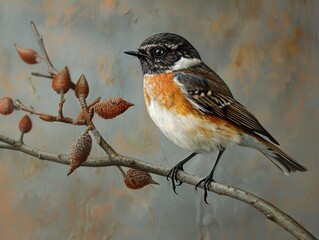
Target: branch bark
[{"x": 270, "y": 211}]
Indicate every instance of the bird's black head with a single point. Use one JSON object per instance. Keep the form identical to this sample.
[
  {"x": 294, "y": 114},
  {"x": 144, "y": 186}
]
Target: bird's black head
[{"x": 165, "y": 52}]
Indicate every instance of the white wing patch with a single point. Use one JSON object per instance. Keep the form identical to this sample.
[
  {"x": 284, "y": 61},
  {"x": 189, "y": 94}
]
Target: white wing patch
[{"x": 185, "y": 63}]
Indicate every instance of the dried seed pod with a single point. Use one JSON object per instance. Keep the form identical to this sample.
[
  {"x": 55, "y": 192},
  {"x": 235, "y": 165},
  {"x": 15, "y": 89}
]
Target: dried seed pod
[
  {"x": 82, "y": 87},
  {"x": 47, "y": 118},
  {"x": 81, "y": 149},
  {"x": 62, "y": 81},
  {"x": 6, "y": 106},
  {"x": 136, "y": 179},
  {"x": 25, "y": 124},
  {"x": 111, "y": 107},
  {"x": 27, "y": 55}
]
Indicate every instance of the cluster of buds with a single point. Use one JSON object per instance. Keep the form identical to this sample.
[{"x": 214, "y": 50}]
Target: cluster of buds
[{"x": 107, "y": 109}]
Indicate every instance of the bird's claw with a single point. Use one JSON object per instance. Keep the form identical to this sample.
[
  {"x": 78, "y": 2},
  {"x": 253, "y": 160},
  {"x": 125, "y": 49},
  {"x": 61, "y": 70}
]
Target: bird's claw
[
  {"x": 173, "y": 175},
  {"x": 207, "y": 181}
]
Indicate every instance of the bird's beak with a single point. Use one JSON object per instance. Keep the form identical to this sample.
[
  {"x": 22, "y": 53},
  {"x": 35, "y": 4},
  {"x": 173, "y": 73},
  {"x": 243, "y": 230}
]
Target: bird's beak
[{"x": 136, "y": 53}]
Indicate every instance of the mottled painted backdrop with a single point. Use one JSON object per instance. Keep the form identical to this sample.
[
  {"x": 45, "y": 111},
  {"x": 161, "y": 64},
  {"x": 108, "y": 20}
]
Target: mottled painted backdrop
[{"x": 266, "y": 51}]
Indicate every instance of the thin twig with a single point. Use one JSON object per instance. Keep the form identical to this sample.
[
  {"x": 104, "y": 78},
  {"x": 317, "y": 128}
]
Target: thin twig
[
  {"x": 18, "y": 105},
  {"x": 95, "y": 101},
  {"x": 45, "y": 56},
  {"x": 47, "y": 117},
  {"x": 121, "y": 170},
  {"x": 60, "y": 108},
  {"x": 36, "y": 74},
  {"x": 103, "y": 144},
  {"x": 98, "y": 137},
  {"x": 50, "y": 118},
  {"x": 270, "y": 211},
  {"x": 21, "y": 137}
]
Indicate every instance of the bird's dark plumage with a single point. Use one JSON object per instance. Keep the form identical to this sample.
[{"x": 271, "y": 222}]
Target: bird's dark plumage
[{"x": 209, "y": 93}]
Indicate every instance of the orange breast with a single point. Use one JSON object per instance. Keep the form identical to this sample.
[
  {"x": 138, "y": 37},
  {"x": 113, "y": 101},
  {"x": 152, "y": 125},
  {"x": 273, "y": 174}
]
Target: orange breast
[
  {"x": 202, "y": 128},
  {"x": 163, "y": 89}
]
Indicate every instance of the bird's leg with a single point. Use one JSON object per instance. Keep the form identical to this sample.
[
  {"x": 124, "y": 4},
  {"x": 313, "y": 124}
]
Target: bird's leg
[
  {"x": 173, "y": 172},
  {"x": 207, "y": 181}
]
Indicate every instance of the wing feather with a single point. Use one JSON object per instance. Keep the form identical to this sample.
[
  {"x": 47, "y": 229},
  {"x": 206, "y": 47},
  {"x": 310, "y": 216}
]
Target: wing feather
[{"x": 212, "y": 96}]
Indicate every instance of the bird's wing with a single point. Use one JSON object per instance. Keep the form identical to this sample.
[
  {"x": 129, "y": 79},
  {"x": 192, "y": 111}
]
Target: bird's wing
[{"x": 214, "y": 97}]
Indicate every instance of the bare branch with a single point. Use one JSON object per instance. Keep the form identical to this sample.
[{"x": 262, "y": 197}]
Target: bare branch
[
  {"x": 10, "y": 147},
  {"x": 270, "y": 211}
]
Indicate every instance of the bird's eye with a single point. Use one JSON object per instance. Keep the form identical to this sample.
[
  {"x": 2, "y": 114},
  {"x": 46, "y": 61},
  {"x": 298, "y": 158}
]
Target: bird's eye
[{"x": 159, "y": 52}]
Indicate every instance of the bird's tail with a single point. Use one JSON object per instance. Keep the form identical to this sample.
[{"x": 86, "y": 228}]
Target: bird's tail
[{"x": 282, "y": 160}]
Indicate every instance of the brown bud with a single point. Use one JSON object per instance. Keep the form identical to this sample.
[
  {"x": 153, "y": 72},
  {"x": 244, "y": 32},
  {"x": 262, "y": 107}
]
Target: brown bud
[
  {"x": 47, "y": 118},
  {"x": 6, "y": 106},
  {"x": 62, "y": 81},
  {"x": 25, "y": 124},
  {"x": 81, "y": 149},
  {"x": 82, "y": 87},
  {"x": 111, "y": 107},
  {"x": 27, "y": 55},
  {"x": 136, "y": 179}
]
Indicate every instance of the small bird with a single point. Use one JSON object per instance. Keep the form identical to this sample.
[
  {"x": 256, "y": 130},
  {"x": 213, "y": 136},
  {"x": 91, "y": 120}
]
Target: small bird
[{"x": 195, "y": 109}]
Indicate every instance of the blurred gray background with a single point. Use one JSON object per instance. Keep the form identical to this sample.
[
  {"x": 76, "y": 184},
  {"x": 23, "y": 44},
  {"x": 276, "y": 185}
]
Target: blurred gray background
[{"x": 266, "y": 51}]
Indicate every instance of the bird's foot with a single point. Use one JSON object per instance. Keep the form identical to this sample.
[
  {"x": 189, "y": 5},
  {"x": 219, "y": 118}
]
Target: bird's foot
[
  {"x": 207, "y": 181},
  {"x": 173, "y": 175}
]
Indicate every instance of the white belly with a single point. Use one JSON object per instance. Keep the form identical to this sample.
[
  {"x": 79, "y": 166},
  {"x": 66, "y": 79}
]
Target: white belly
[{"x": 194, "y": 134}]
